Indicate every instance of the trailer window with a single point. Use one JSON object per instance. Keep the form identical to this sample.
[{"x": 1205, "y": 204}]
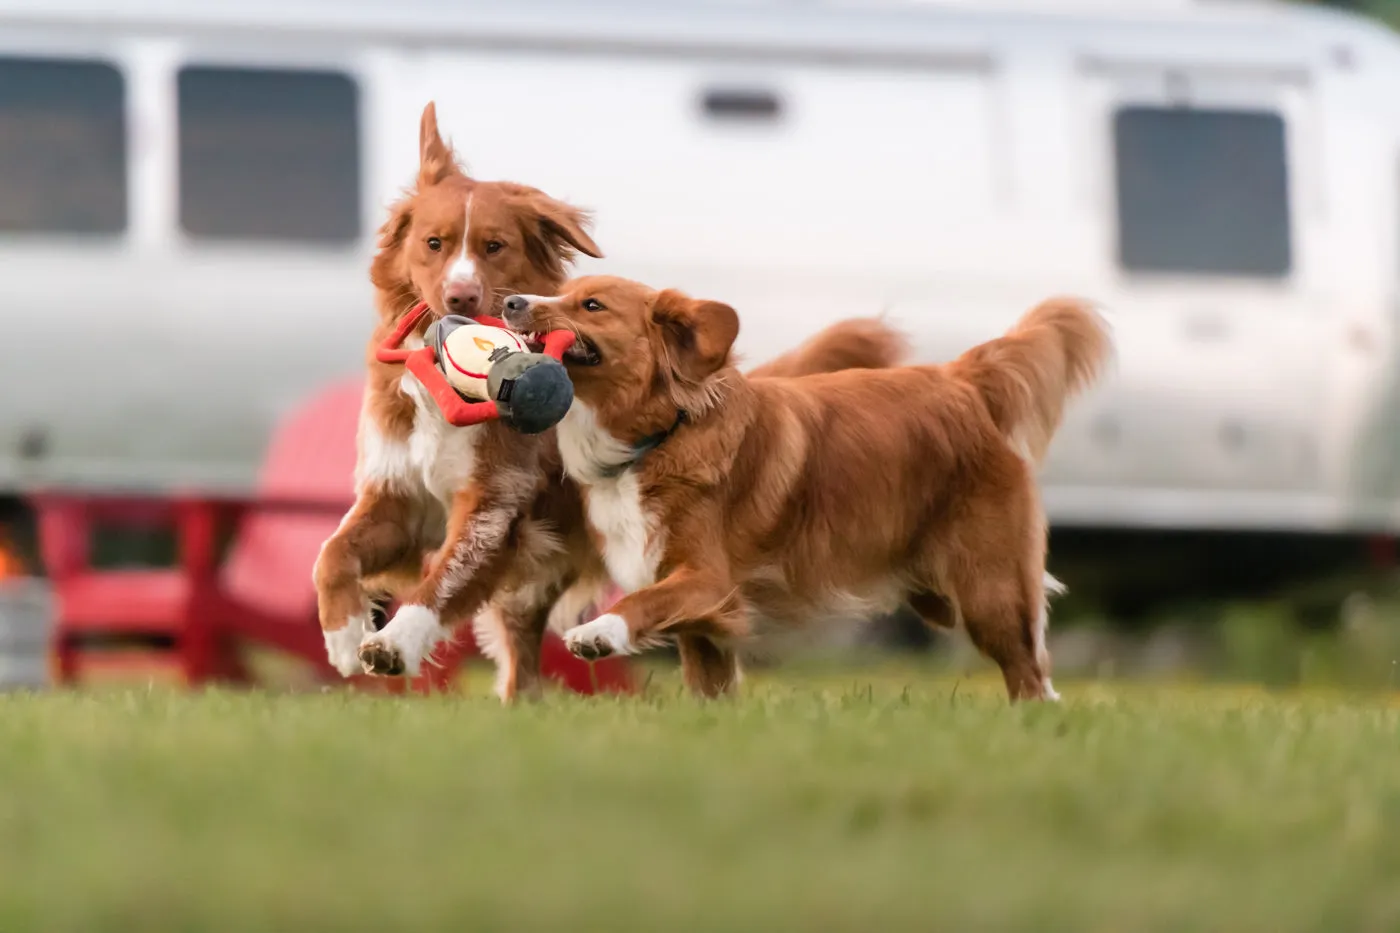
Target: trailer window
[
  {"x": 1202, "y": 192},
  {"x": 269, "y": 155},
  {"x": 62, "y": 147}
]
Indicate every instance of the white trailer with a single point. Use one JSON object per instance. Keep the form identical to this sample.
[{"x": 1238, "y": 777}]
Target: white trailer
[{"x": 189, "y": 194}]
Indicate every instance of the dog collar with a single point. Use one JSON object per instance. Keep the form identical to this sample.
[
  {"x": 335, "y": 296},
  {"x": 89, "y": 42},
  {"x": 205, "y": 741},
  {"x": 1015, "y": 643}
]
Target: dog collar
[{"x": 645, "y": 446}]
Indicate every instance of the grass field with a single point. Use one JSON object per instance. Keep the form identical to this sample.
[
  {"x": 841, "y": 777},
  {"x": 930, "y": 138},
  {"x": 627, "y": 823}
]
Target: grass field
[{"x": 869, "y": 800}]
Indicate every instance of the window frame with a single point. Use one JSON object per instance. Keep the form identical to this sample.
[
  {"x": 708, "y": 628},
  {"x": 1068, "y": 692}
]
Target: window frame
[
  {"x": 1106, "y": 81},
  {"x": 222, "y": 61},
  {"x": 99, "y": 60},
  {"x": 1119, "y": 110}
]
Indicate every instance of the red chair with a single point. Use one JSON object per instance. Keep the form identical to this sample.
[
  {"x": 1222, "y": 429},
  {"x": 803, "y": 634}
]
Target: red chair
[
  {"x": 264, "y": 586},
  {"x": 262, "y": 593},
  {"x": 169, "y": 604}
]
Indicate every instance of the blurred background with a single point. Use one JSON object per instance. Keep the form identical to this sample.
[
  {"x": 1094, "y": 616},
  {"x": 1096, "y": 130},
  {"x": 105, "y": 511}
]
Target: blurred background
[{"x": 189, "y": 195}]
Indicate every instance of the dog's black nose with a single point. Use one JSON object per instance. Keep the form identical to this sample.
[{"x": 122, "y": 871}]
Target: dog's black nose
[{"x": 517, "y": 303}]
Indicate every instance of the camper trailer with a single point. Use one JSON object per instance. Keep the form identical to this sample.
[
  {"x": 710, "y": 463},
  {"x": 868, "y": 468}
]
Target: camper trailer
[{"x": 189, "y": 195}]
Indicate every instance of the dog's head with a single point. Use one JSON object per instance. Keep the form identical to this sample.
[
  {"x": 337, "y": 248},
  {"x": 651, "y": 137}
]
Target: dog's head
[
  {"x": 462, "y": 245},
  {"x": 634, "y": 344}
]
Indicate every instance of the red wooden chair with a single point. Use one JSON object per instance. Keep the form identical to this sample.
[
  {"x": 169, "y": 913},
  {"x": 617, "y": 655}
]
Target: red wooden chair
[
  {"x": 169, "y": 604},
  {"x": 265, "y": 590},
  {"x": 262, "y": 593}
]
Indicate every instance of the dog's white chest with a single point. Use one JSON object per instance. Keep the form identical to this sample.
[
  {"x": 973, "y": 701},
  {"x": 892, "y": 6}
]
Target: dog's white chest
[
  {"x": 441, "y": 455},
  {"x": 631, "y": 543}
]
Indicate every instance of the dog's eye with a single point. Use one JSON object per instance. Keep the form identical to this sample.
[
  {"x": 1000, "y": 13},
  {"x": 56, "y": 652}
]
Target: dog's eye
[
  {"x": 494, "y": 246},
  {"x": 592, "y": 304},
  {"x": 434, "y": 244}
]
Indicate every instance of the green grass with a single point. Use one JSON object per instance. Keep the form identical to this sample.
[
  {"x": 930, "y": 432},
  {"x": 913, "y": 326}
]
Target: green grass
[{"x": 862, "y": 801}]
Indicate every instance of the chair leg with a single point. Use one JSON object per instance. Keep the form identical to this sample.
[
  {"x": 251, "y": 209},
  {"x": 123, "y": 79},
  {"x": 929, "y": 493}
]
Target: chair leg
[
  {"x": 197, "y": 648},
  {"x": 65, "y": 660}
]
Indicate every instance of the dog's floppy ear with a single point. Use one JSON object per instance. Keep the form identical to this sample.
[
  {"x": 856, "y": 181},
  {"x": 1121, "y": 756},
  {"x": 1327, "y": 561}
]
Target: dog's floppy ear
[
  {"x": 386, "y": 270},
  {"x": 698, "y": 335},
  {"x": 563, "y": 224},
  {"x": 555, "y": 232},
  {"x": 436, "y": 159},
  {"x": 566, "y": 223},
  {"x": 395, "y": 228}
]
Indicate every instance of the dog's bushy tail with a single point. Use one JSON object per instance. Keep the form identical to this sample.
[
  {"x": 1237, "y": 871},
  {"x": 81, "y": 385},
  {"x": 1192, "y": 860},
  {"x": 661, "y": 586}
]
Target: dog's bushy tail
[
  {"x": 1026, "y": 376},
  {"x": 855, "y": 343}
]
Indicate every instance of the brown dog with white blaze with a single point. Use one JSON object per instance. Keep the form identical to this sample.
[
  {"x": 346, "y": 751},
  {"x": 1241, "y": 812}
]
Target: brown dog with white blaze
[
  {"x": 720, "y": 501},
  {"x": 490, "y": 508}
]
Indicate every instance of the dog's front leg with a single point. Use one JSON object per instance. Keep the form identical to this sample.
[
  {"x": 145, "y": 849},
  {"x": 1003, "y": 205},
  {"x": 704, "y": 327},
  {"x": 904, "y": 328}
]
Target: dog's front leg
[
  {"x": 374, "y": 537},
  {"x": 691, "y": 602},
  {"x": 463, "y": 575}
]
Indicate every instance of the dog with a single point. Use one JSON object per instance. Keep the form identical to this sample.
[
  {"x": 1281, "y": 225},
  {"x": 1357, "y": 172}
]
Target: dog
[
  {"x": 723, "y": 504},
  {"x": 479, "y": 522}
]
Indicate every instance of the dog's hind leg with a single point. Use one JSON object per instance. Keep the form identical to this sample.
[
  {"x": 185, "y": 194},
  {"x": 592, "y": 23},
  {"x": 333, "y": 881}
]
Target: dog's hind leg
[
  {"x": 990, "y": 575},
  {"x": 510, "y": 631},
  {"x": 936, "y": 611},
  {"x": 1006, "y": 626},
  {"x": 708, "y": 668}
]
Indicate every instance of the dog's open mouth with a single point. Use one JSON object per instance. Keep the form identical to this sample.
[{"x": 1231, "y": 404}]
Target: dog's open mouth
[{"x": 581, "y": 352}]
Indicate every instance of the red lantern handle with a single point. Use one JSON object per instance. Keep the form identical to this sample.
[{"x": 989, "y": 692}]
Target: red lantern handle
[
  {"x": 557, "y": 341},
  {"x": 454, "y": 408},
  {"x": 391, "y": 350},
  {"x": 423, "y": 365}
]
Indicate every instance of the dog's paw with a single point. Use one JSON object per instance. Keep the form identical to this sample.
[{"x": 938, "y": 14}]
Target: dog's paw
[
  {"x": 343, "y": 646},
  {"x": 604, "y": 636},
  {"x": 377, "y": 656},
  {"x": 401, "y": 646}
]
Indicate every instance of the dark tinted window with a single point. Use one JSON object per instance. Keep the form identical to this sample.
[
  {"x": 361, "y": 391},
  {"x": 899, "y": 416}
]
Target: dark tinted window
[
  {"x": 269, "y": 154},
  {"x": 62, "y": 147},
  {"x": 1202, "y": 191}
]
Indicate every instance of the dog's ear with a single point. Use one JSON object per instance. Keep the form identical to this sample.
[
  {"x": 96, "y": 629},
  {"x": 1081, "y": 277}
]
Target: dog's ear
[
  {"x": 395, "y": 228},
  {"x": 386, "y": 270},
  {"x": 436, "y": 160},
  {"x": 555, "y": 232},
  {"x": 566, "y": 224},
  {"x": 698, "y": 335}
]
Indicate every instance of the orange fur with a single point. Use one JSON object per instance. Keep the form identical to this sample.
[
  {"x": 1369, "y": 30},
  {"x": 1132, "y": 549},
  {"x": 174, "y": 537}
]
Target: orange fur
[
  {"x": 454, "y": 521},
  {"x": 1025, "y": 377},
  {"x": 858, "y": 343},
  {"x": 780, "y": 499}
]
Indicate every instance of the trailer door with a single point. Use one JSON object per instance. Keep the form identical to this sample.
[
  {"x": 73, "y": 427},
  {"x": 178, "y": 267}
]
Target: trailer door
[{"x": 1214, "y": 207}]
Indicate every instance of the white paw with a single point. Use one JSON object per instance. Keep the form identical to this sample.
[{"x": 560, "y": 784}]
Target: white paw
[
  {"x": 605, "y": 635},
  {"x": 343, "y": 645},
  {"x": 402, "y": 645},
  {"x": 577, "y": 603}
]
